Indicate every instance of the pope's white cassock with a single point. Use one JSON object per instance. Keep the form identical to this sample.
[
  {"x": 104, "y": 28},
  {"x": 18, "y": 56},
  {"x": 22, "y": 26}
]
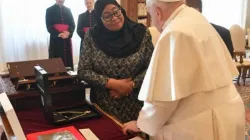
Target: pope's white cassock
[{"x": 188, "y": 92}]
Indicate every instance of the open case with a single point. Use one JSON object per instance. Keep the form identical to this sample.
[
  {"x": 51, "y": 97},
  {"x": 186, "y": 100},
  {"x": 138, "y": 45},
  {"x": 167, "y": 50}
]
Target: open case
[
  {"x": 65, "y": 113},
  {"x": 14, "y": 131}
]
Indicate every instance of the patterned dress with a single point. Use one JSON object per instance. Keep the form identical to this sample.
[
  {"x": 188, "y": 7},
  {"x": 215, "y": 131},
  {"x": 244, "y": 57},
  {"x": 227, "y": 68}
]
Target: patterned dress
[{"x": 95, "y": 68}]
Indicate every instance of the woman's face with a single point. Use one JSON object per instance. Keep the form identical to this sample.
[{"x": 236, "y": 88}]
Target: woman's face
[{"x": 112, "y": 17}]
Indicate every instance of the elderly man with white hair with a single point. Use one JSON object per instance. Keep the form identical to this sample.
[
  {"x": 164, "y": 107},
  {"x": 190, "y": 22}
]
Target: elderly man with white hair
[{"x": 187, "y": 91}]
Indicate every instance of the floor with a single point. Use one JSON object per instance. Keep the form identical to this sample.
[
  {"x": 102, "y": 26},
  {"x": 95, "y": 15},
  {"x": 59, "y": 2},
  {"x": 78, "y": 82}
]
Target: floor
[{"x": 245, "y": 94}]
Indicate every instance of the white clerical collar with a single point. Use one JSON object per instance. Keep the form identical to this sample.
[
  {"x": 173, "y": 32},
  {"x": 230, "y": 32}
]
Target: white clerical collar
[
  {"x": 172, "y": 16},
  {"x": 90, "y": 11}
]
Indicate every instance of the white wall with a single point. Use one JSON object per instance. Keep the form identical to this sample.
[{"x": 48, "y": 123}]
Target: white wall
[{"x": 225, "y": 12}]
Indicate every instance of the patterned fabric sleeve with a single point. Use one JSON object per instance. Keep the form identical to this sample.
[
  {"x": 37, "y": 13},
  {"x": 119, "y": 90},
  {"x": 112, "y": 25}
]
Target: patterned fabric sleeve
[
  {"x": 85, "y": 70},
  {"x": 147, "y": 41}
]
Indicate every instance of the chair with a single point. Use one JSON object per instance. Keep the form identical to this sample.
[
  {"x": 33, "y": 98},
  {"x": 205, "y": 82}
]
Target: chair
[
  {"x": 248, "y": 37},
  {"x": 239, "y": 44},
  {"x": 238, "y": 40},
  {"x": 155, "y": 34}
]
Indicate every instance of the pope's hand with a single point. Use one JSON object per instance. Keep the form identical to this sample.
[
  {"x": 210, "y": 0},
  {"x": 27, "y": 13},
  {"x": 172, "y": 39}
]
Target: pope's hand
[{"x": 130, "y": 127}]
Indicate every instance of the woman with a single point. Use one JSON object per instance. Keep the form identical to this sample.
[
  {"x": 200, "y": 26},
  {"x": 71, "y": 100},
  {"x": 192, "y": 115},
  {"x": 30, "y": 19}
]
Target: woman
[{"x": 114, "y": 62}]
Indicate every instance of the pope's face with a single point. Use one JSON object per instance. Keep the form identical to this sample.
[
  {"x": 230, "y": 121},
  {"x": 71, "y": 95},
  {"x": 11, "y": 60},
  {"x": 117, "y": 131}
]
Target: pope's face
[{"x": 153, "y": 11}]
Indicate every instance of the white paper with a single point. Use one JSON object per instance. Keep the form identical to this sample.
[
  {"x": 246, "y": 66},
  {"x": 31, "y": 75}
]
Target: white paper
[
  {"x": 88, "y": 134},
  {"x": 72, "y": 73}
]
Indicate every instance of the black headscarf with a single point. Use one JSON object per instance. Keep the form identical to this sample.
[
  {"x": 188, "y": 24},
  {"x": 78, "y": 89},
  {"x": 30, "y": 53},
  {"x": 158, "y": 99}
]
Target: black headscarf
[{"x": 120, "y": 43}]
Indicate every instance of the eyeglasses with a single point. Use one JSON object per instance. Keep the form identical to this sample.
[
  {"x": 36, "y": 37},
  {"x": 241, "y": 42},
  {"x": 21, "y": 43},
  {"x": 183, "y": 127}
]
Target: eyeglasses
[{"x": 109, "y": 16}]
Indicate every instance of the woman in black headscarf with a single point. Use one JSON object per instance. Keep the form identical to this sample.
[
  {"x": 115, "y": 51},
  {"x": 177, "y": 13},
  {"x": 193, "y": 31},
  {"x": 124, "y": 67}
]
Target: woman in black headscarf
[{"x": 117, "y": 54}]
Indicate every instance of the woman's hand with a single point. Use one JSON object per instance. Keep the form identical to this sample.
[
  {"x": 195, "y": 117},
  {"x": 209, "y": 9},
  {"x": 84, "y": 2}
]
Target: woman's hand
[
  {"x": 114, "y": 94},
  {"x": 122, "y": 87}
]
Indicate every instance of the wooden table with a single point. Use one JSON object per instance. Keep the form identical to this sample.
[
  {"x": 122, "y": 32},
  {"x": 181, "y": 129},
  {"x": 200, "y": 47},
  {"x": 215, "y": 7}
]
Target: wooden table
[{"x": 27, "y": 107}]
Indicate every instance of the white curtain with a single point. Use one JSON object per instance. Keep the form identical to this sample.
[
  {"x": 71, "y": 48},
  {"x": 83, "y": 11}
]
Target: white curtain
[
  {"x": 23, "y": 33},
  {"x": 225, "y": 12}
]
